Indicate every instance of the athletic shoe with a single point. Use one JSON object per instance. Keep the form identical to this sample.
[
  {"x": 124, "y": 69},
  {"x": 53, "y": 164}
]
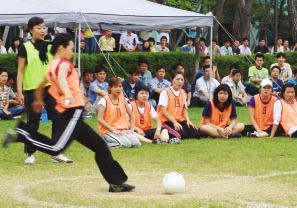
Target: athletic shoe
[
  {"x": 30, "y": 160},
  {"x": 10, "y": 136},
  {"x": 60, "y": 158},
  {"x": 174, "y": 141},
  {"x": 120, "y": 188},
  {"x": 164, "y": 136},
  {"x": 17, "y": 117},
  {"x": 251, "y": 134}
]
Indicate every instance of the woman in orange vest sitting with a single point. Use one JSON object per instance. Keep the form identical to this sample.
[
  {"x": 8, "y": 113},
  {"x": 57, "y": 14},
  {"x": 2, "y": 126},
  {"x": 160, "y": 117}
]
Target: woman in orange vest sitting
[
  {"x": 219, "y": 115},
  {"x": 285, "y": 112},
  {"x": 261, "y": 111},
  {"x": 172, "y": 108},
  {"x": 143, "y": 112},
  {"x": 116, "y": 120}
]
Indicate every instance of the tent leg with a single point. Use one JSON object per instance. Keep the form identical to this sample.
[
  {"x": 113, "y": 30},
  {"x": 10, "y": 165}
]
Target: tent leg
[
  {"x": 79, "y": 50},
  {"x": 210, "y": 52}
]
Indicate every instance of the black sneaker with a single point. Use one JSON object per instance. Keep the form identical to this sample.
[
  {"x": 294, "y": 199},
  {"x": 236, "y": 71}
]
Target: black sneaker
[
  {"x": 121, "y": 188},
  {"x": 10, "y": 136},
  {"x": 251, "y": 134}
]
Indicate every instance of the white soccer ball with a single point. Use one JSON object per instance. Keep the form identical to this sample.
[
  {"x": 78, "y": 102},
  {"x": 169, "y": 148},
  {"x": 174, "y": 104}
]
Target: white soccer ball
[{"x": 174, "y": 183}]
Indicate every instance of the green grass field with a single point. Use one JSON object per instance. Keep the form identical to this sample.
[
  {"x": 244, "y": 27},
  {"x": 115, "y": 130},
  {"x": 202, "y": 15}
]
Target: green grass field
[{"x": 245, "y": 172}]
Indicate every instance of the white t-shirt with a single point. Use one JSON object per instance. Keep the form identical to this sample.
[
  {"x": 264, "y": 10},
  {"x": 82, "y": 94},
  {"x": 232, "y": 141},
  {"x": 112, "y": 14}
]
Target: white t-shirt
[
  {"x": 153, "y": 112},
  {"x": 277, "y": 115},
  {"x": 102, "y": 102},
  {"x": 163, "y": 99}
]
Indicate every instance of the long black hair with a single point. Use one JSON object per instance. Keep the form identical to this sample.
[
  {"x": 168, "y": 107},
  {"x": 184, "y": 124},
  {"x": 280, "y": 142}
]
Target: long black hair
[
  {"x": 225, "y": 88},
  {"x": 12, "y": 43},
  {"x": 40, "y": 45},
  {"x": 61, "y": 39},
  {"x": 287, "y": 85}
]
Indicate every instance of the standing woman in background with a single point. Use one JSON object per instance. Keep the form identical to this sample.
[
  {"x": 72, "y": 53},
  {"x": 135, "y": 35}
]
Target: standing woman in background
[{"x": 33, "y": 57}]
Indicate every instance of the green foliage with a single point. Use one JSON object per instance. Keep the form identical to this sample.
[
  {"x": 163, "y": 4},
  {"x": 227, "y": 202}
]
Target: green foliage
[
  {"x": 182, "y": 4},
  {"x": 167, "y": 60}
]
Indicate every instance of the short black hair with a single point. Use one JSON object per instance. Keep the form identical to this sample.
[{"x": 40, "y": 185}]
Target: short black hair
[
  {"x": 3, "y": 70},
  {"x": 260, "y": 55},
  {"x": 151, "y": 40},
  {"x": 61, "y": 39},
  {"x": 141, "y": 88},
  {"x": 244, "y": 39},
  {"x": 189, "y": 38},
  {"x": 175, "y": 74},
  {"x": 178, "y": 64},
  {"x": 236, "y": 71},
  {"x": 294, "y": 72},
  {"x": 287, "y": 85},
  {"x": 133, "y": 70},
  {"x": 225, "y": 88},
  {"x": 214, "y": 40},
  {"x": 281, "y": 54},
  {"x": 142, "y": 61},
  {"x": 163, "y": 37},
  {"x": 87, "y": 71},
  {"x": 99, "y": 68},
  {"x": 160, "y": 67},
  {"x": 275, "y": 67},
  {"x": 206, "y": 67},
  {"x": 33, "y": 21},
  {"x": 205, "y": 57}
]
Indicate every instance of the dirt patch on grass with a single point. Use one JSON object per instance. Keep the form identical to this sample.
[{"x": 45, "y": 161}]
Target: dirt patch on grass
[{"x": 88, "y": 190}]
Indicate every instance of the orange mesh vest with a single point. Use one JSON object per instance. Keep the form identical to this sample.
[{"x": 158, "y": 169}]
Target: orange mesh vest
[
  {"x": 217, "y": 117},
  {"x": 115, "y": 115},
  {"x": 142, "y": 121},
  {"x": 289, "y": 116},
  {"x": 72, "y": 82},
  {"x": 263, "y": 112},
  {"x": 175, "y": 107}
]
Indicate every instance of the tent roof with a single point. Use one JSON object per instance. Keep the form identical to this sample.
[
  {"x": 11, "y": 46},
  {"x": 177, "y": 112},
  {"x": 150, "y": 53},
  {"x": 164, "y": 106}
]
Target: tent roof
[{"x": 123, "y": 14}]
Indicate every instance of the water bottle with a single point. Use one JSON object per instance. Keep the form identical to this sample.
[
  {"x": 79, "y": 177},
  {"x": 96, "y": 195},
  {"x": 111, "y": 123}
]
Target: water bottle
[{"x": 44, "y": 118}]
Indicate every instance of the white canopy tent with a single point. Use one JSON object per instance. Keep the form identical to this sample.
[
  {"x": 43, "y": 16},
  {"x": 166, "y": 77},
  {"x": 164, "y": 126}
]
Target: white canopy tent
[
  {"x": 120, "y": 14},
  {"x": 126, "y": 14}
]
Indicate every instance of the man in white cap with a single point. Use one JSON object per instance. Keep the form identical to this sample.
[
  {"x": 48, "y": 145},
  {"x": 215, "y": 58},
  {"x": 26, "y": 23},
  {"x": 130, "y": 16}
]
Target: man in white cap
[{"x": 261, "y": 111}]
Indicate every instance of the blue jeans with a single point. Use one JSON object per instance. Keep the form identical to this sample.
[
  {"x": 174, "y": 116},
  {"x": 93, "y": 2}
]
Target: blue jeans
[
  {"x": 14, "y": 110},
  {"x": 90, "y": 45}
]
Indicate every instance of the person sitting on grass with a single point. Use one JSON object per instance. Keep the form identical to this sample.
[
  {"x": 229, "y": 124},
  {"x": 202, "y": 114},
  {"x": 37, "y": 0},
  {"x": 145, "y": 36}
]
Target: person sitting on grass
[
  {"x": 144, "y": 113},
  {"x": 261, "y": 111},
  {"x": 130, "y": 84},
  {"x": 219, "y": 115},
  {"x": 277, "y": 83},
  {"x": 172, "y": 109},
  {"x": 7, "y": 109},
  {"x": 116, "y": 127},
  {"x": 285, "y": 112},
  {"x": 237, "y": 88}
]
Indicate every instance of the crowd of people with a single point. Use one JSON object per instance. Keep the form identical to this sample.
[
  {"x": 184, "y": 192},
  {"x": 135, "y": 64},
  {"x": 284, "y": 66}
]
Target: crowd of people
[
  {"x": 125, "y": 108},
  {"x": 107, "y": 40}
]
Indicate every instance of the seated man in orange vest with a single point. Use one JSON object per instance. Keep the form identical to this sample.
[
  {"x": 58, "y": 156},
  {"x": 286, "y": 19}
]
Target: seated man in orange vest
[
  {"x": 285, "y": 112},
  {"x": 261, "y": 111}
]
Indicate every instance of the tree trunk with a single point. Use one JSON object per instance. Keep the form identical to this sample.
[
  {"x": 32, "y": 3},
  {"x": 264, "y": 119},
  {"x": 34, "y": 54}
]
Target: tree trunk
[
  {"x": 280, "y": 17},
  {"x": 242, "y": 19},
  {"x": 219, "y": 9},
  {"x": 293, "y": 19}
]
